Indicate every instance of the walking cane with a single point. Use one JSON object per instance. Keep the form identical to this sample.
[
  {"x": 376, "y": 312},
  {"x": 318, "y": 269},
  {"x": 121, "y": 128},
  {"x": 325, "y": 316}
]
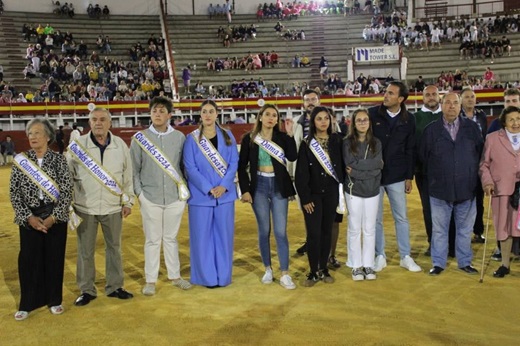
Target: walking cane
[{"x": 485, "y": 240}]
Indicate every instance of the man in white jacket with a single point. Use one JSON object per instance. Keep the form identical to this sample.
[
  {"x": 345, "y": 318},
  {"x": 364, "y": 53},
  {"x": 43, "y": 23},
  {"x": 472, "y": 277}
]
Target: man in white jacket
[{"x": 103, "y": 194}]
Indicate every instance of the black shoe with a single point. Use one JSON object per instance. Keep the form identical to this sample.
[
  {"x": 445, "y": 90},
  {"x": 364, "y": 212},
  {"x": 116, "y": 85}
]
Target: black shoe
[
  {"x": 212, "y": 287},
  {"x": 479, "y": 239},
  {"x": 436, "y": 271},
  {"x": 311, "y": 280},
  {"x": 429, "y": 251},
  {"x": 469, "y": 270},
  {"x": 121, "y": 294},
  {"x": 84, "y": 299},
  {"x": 501, "y": 272},
  {"x": 333, "y": 263},
  {"x": 324, "y": 275},
  {"x": 302, "y": 249},
  {"x": 497, "y": 255}
]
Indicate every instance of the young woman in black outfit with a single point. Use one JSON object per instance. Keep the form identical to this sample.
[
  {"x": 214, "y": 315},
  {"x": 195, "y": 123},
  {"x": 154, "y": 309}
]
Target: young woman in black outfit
[{"x": 318, "y": 189}]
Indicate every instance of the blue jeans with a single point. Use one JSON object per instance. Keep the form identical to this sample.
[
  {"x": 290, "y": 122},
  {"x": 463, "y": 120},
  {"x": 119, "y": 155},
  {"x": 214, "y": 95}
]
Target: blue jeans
[
  {"x": 464, "y": 214},
  {"x": 397, "y": 198},
  {"x": 267, "y": 200}
]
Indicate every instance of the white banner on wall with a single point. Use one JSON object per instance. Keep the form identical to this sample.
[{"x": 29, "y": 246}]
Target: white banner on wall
[{"x": 374, "y": 54}]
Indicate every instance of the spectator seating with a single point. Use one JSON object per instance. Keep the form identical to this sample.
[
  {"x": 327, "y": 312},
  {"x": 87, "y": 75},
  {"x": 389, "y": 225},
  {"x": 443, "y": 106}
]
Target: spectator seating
[
  {"x": 121, "y": 30},
  {"x": 194, "y": 40},
  {"x": 430, "y": 64}
]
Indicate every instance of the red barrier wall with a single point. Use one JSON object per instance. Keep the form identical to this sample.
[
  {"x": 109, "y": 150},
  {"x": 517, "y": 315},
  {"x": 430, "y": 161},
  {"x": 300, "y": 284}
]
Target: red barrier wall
[{"x": 22, "y": 144}]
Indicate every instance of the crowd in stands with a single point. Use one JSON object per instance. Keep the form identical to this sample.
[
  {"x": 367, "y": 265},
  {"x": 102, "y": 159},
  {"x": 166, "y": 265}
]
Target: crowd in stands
[
  {"x": 218, "y": 11},
  {"x": 460, "y": 79},
  {"x": 232, "y": 34},
  {"x": 97, "y": 12},
  {"x": 293, "y": 35},
  {"x": 67, "y": 9},
  {"x": 301, "y": 61},
  {"x": 474, "y": 35},
  {"x": 249, "y": 62},
  {"x": 292, "y": 10},
  {"x": 69, "y": 73},
  {"x": 485, "y": 49},
  {"x": 288, "y": 34},
  {"x": 154, "y": 50}
]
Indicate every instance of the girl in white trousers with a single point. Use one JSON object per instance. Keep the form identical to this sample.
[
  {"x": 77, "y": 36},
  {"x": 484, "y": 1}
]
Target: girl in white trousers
[{"x": 363, "y": 160}]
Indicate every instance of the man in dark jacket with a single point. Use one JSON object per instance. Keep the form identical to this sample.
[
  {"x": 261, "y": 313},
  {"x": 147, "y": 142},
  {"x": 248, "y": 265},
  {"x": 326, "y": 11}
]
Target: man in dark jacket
[
  {"x": 450, "y": 150},
  {"x": 394, "y": 126},
  {"x": 468, "y": 110},
  {"x": 430, "y": 111}
]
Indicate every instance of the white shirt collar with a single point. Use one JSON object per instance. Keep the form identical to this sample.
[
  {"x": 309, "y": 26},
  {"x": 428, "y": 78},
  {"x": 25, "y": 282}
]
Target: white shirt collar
[
  {"x": 168, "y": 131},
  {"x": 438, "y": 110},
  {"x": 514, "y": 138},
  {"x": 391, "y": 114}
]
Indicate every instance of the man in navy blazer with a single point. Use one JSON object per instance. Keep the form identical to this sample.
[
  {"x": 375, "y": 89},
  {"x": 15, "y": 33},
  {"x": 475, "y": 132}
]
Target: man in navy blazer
[{"x": 450, "y": 150}]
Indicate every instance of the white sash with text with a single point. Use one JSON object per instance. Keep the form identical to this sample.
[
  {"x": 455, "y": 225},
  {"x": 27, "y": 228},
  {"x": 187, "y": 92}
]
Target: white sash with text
[{"x": 162, "y": 161}]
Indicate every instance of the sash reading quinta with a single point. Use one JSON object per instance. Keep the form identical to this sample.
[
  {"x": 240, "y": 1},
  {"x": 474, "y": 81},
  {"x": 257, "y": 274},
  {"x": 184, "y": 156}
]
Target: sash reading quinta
[
  {"x": 97, "y": 171},
  {"x": 275, "y": 151},
  {"x": 323, "y": 159},
  {"x": 162, "y": 161},
  {"x": 44, "y": 183}
]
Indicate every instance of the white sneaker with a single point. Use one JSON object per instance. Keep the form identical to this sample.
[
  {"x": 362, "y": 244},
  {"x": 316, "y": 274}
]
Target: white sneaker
[
  {"x": 358, "y": 274},
  {"x": 286, "y": 282},
  {"x": 21, "y": 315},
  {"x": 149, "y": 289},
  {"x": 408, "y": 263},
  {"x": 57, "y": 309},
  {"x": 370, "y": 274},
  {"x": 379, "y": 263},
  {"x": 268, "y": 276},
  {"x": 181, "y": 283}
]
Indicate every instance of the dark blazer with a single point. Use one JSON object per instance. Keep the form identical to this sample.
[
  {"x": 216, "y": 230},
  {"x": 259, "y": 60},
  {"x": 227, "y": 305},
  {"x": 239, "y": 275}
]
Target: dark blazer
[
  {"x": 452, "y": 166},
  {"x": 310, "y": 178},
  {"x": 249, "y": 158},
  {"x": 398, "y": 143},
  {"x": 481, "y": 119}
]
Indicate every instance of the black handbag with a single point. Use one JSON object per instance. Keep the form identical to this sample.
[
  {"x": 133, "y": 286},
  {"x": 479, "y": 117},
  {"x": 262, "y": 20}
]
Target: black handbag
[
  {"x": 43, "y": 210},
  {"x": 513, "y": 199}
]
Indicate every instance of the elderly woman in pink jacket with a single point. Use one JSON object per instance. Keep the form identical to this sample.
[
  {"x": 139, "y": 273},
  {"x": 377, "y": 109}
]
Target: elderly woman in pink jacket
[{"x": 499, "y": 171}]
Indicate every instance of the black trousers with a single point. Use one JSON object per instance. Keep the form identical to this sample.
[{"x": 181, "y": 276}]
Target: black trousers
[
  {"x": 478, "y": 227},
  {"x": 319, "y": 229},
  {"x": 40, "y": 266},
  {"x": 421, "y": 181}
]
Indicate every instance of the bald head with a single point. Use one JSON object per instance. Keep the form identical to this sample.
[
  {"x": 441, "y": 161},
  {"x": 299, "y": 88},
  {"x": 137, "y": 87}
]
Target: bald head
[
  {"x": 431, "y": 97},
  {"x": 469, "y": 99}
]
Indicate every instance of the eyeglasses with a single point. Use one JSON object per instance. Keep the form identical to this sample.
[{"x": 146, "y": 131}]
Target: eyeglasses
[{"x": 362, "y": 121}]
